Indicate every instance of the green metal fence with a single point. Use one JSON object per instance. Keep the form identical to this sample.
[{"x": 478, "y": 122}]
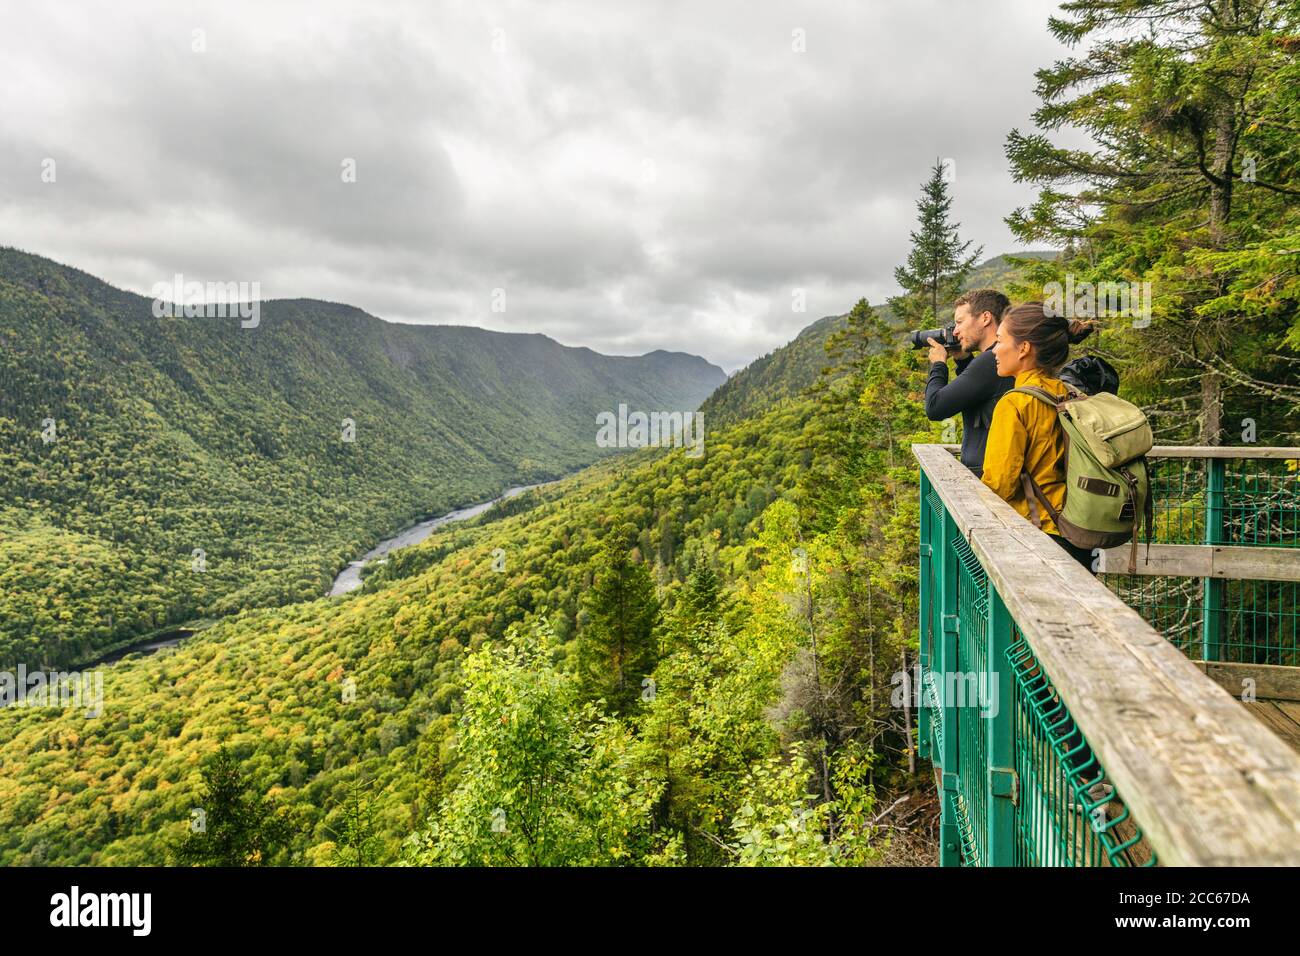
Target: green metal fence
[
  {"x": 1067, "y": 813},
  {"x": 1222, "y": 501},
  {"x": 1019, "y": 782},
  {"x": 1015, "y": 772}
]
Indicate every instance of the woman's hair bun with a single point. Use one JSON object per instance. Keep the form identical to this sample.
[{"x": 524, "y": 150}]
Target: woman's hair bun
[{"x": 1080, "y": 329}]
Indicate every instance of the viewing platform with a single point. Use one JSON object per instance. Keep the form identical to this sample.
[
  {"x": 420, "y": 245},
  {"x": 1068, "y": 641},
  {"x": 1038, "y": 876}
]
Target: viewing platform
[{"x": 1172, "y": 694}]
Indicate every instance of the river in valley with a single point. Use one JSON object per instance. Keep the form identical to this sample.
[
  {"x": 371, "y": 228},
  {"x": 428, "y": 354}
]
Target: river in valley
[
  {"x": 349, "y": 578},
  {"x": 150, "y": 645}
]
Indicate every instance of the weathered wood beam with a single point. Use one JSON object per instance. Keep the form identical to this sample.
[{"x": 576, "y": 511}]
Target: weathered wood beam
[
  {"x": 1232, "y": 562},
  {"x": 1264, "y": 681},
  {"x": 1223, "y": 451}
]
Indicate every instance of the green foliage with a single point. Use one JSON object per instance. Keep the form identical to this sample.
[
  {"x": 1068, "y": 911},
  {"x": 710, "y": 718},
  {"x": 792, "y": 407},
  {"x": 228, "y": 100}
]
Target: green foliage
[
  {"x": 356, "y": 841},
  {"x": 1190, "y": 185},
  {"x": 616, "y": 644},
  {"x": 157, "y": 470},
  {"x": 546, "y": 780},
  {"x": 780, "y": 823},
  {"x": 271, "y": 682},
  {"x": 235, "y": 826}
]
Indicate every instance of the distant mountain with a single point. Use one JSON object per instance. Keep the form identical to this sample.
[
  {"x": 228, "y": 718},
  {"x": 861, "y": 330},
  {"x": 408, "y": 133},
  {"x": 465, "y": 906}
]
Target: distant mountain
[
  {"x": 780, "y": 374},
  {"x": 786, "y": 371},
  {"x": 188, "y": 466},
  {"x": 997, "y": 273}
]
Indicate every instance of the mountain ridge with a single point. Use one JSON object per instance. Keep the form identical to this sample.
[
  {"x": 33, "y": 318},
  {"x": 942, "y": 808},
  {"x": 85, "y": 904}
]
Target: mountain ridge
[
  {"x": 9, "y": 255},
  {"x": 280, "y": 452},
  {"x": 786, "y": 371}
]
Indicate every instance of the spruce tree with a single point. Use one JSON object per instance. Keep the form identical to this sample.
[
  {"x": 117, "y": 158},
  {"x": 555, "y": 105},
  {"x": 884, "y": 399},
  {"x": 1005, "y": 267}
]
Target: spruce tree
[
  {"x": 938, "y": 264},
  {"x": 236, "y": 826},
  {"x": 616, "y": 646},
  {"x": 357, "y": 841},
  {"x": 1190, "y": 185},
  {"x": 698, "y": 606}
]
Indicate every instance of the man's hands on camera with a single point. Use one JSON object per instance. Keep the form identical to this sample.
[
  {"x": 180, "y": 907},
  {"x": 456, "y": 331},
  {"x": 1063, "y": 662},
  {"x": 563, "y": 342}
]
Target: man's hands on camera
[{"x": 940, "y": 354}]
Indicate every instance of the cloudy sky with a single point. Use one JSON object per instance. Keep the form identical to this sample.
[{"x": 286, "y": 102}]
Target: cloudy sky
[{"x": 633, "y": 175}]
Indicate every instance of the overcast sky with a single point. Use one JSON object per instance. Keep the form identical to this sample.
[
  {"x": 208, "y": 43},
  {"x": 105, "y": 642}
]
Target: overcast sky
[{"x": 633, "y": 175}]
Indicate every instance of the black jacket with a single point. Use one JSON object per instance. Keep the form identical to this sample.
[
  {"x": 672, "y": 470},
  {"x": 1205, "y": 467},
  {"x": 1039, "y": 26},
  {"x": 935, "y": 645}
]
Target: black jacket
[{"x": 973, "y": 392}]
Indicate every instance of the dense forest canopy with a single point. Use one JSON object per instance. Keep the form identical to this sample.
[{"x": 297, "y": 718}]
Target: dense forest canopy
[
  {"x": 157, "y": 470},
  {"x": 643, "y": 609}
]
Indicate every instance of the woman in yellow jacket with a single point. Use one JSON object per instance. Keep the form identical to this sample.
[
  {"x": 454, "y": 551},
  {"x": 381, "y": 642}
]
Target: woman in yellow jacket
[{"x": 1025, "y": 437}]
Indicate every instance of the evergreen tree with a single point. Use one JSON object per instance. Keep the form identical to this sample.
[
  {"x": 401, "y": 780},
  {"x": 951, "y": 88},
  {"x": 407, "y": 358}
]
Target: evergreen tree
[
  {"x": 701, "y": 595},
  {"x": 938, "y": 264},
  {"x": 235, "y": 826},
  {"x": 1191, "y": 186},
  {"x": 616, "y": 647},
  {"x": 357, "y": 841}
]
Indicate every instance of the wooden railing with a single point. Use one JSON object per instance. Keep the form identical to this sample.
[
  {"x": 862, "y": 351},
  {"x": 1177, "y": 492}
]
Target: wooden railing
[{"x": 1082, "y": 691}]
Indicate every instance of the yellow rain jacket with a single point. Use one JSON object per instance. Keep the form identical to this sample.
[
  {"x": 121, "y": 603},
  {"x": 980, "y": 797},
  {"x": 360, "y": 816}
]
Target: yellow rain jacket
[{"x": 1025, "y": 436}]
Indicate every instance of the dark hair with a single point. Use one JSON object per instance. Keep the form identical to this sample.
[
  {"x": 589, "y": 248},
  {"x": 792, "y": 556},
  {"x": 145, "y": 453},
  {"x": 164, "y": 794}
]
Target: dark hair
[
  {"x": 1050, "y": 335},
  {"x": 984, "y": 300}
]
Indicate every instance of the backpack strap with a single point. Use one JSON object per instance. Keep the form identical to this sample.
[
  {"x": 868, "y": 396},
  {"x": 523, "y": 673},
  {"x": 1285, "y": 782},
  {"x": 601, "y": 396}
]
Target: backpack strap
[
  {"x": 1131, "y": 480},
  {"x": 1034, "y": 516},
  {"x": 1033, "y": 494},
  {"x": 1041, "y": 394},
  {"x": 1148, "y": 509}
]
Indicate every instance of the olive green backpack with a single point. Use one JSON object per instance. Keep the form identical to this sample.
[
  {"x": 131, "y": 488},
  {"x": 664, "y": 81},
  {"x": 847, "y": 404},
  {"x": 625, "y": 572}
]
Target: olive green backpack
[{"x": 1107, "y": 483}]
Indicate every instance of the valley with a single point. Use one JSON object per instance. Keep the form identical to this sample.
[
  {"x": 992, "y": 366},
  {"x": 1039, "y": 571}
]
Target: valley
[{"x": 183, "y": 468}]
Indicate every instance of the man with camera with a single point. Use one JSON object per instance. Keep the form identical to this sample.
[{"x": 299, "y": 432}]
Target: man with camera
[{"x": 976, "y": 387}]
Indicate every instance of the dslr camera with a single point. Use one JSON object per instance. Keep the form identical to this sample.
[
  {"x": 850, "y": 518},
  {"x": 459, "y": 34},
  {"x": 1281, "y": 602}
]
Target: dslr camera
[{"x": 945, "y": 336}]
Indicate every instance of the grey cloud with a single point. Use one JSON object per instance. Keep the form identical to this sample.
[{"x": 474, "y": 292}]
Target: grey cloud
[{"x": 636, "y": 176}]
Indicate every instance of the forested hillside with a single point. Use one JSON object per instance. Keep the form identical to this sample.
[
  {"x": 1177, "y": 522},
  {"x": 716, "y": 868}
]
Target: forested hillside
[
  {"x": 268, "y": 683},
  {"x": 788, "y": 371},
  {"x": 713, "y": 707},
  {"x": 154, "y": 470},
  {"x": 783, "y": 373},
  {"x": 679, "y": 696}
]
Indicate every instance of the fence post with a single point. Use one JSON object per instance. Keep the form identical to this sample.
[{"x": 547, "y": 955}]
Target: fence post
[
  {"x": 1000, "y": 737},
  {"x": 946, "y": 596},
  {"x": 1212, "y": 588},
  {"x": 926, "y": 596}
]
